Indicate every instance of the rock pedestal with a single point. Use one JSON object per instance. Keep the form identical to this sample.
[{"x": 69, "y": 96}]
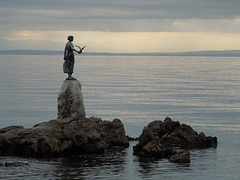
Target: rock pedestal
[
  {"x": 70, "y": 100},
  {"x": 71, "y": 134}
]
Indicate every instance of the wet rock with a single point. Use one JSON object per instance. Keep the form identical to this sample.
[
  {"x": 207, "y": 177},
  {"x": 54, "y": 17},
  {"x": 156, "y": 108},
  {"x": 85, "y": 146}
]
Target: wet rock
[
  {"x": 65, "y": 137},
  {"x": 162, "y": 129},
  {"x": 115, "y": 132},
  {"x": 172, "y": 133},
  {"x": 70, "y": 134},
  {"x": 180, "y": 157},
  {"x": 154, "y": 148},
  {"x": 149, "y": 145},
  {"x": 211, "y": 142},
  {"x": 159, "y": 138}
]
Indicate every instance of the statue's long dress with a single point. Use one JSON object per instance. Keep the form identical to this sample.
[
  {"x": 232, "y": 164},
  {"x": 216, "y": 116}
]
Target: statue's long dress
[{"x": 68, "y": 64}]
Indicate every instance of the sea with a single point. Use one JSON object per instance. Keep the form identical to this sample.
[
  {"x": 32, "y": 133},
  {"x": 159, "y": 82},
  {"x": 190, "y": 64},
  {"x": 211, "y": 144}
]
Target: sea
[{"x": 203, "y": 92}]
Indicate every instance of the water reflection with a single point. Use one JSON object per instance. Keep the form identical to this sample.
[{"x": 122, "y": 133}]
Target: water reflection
[
  {"x": 115, "y": 163},
  {"x": 152, "y": 168},
  {"x": 147, "y": 165},
  {"x": 106, "y": 165}
]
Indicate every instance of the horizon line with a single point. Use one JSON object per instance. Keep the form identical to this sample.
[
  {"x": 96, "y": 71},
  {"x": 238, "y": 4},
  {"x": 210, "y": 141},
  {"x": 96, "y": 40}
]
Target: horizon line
[{"x": 232, "y": 53}]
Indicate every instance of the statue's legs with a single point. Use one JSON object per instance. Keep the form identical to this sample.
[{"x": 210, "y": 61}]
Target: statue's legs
[{"x": 70, "y": 77}]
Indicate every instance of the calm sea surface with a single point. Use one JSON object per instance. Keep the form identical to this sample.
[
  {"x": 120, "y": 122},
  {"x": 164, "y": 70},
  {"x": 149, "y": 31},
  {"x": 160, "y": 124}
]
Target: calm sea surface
[{"x": 203, "y": 92}]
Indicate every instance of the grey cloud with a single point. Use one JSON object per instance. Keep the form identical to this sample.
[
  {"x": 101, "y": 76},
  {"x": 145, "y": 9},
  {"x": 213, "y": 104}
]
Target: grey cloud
[
  {"x": 171, "y": 8},
  {"x": 114, "y": 15},
  {"x": 30, "y": 44}
]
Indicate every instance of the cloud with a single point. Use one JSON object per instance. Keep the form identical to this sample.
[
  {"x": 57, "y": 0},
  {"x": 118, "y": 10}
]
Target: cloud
[
  {"x": 154, "y": 8},
  {"x": 30, "y": 44},
  {"x": 106, "y": 25},
  {"x": 115, "y": 15},
  {"x": 132, "y": 42}
]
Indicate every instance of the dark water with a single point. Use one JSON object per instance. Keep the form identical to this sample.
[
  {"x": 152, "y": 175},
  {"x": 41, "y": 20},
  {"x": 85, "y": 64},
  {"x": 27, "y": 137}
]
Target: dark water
[{"x": 200, "y": 91}]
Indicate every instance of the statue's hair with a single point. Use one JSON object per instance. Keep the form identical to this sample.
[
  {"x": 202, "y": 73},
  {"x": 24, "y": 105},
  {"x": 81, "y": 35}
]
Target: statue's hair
[{"x": 70, "y": 38}]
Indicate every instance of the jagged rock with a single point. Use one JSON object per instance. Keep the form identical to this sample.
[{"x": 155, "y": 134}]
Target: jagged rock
[
  {"x": 211, "y": 142},
  {"x": 149, "y": 145},
  {"x": 180, "y": 157},
  {"x": 158, "y": 138},
  {"x": 172, "y": 133},
  {"x": 115, "y": 132},
  {"x": 162, "y": 129},
  {"x": 62, "y": 138},
  {"x": 70, "y": 100}
]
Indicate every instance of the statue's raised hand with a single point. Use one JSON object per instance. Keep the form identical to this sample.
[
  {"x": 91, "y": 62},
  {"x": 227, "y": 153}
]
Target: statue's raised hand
[{"x": 80, "y": 49}]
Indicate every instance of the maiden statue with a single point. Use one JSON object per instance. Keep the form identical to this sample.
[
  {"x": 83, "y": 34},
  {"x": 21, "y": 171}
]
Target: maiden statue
[{"x": 68, "y": 64}]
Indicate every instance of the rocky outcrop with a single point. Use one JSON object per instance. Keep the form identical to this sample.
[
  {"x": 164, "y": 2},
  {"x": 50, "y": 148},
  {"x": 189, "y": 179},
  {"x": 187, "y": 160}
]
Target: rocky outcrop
[
  {"x": 159, "y": 138},
  {"x": 74, "y": 134},
  {"x": 62, "y": 138},
  {"x": 172, "y": 133},
  {"x": 70, "y": 134},
  {"x": 70, "y": 100}
]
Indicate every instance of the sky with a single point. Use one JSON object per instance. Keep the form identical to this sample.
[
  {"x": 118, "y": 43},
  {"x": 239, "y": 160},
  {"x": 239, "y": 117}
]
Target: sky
[{"x": 121, "y": 26}]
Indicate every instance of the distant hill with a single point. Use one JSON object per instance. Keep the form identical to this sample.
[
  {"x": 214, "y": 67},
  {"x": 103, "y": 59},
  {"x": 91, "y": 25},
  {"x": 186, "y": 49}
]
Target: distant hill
[
  {"x": 29, "y": 52},
  {"x": 227, "y": 53}
]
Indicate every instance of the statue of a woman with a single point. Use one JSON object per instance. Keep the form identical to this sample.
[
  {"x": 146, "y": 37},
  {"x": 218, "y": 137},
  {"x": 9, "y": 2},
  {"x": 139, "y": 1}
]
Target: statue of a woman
[{"x": 68, "y": 64}]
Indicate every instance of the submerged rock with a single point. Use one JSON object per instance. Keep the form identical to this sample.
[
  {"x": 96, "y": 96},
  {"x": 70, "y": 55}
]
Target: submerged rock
[
  {"x": 159, "y": 138},
  {"x": 180, "y": 157},
  {"x": 62, "y": 138}
]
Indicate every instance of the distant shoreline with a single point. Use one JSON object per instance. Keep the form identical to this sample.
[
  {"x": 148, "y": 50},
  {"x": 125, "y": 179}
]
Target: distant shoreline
[{"x": 227, "y": 53}]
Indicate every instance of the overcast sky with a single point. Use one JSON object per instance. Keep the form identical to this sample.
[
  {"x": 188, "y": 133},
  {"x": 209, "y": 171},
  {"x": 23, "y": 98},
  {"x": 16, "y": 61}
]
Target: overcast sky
[{"x": 121, "y": 25}]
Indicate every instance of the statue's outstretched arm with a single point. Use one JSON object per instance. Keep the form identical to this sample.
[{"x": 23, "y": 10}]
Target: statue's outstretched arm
[{"x": 80, "y": 49}]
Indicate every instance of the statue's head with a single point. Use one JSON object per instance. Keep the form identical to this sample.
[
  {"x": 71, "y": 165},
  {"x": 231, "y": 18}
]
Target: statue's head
[{"x": 70, "y": 38}]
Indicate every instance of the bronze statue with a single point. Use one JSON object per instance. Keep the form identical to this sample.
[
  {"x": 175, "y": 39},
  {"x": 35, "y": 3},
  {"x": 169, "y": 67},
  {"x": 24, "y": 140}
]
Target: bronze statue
[{"x": 68, "y": 64}]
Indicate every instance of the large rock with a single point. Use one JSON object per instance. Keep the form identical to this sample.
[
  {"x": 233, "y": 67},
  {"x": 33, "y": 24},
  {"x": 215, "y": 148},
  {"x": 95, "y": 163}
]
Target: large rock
[
  {"x": 159, "y": 138},
  {"x": 70, "y": 100},
  {"x": 149, "y": 145},
  {"x": 172, "y": 133},
  {"x": 65, "y": 137},
  {"x": 70, "y": 134}
]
